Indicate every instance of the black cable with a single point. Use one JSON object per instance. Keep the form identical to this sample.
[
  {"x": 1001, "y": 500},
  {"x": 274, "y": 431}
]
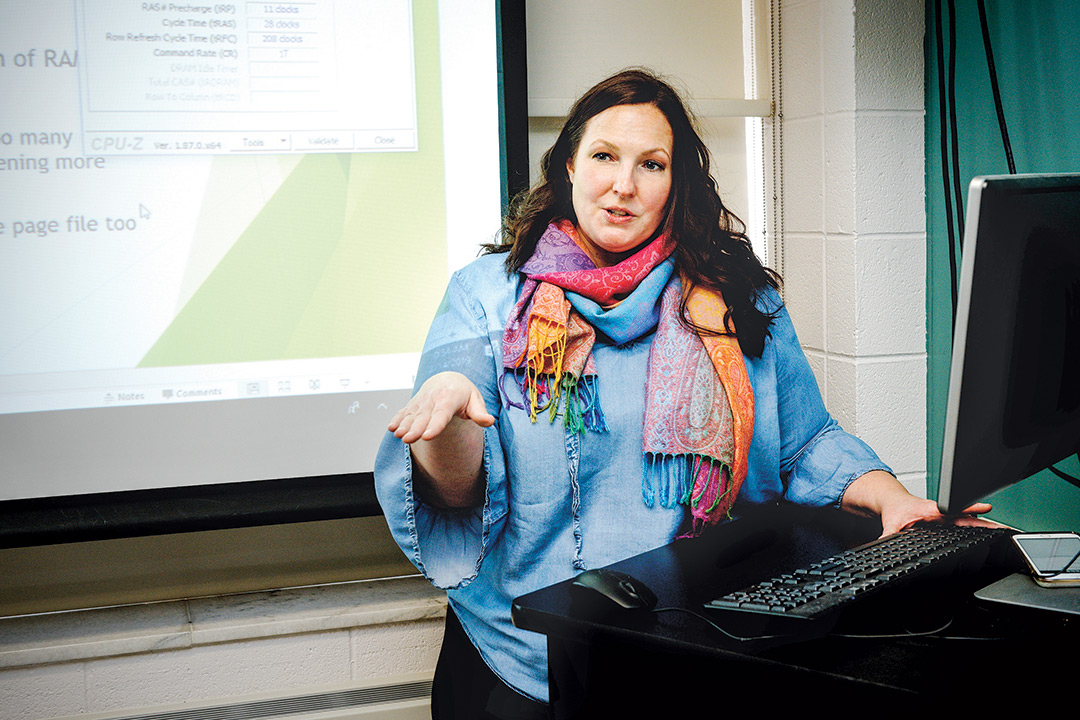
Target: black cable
[
  {"x": 848, "y": 636},
  {"x": 994, "y": 86},
  {"x": 708, "y": 621},
  {"x": 895, "y": 635},
  {"x": 958, "y": 190},
  {"x": 1064, "y": 475},
  {"x": 1063, "y": 570},
  {"x": 942, "y": 114}
]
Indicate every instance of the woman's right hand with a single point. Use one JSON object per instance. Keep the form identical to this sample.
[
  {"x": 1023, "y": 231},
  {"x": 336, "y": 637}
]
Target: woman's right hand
[
  {"x": 441, "y": 399},
  {"x": 444, "y": 422}
]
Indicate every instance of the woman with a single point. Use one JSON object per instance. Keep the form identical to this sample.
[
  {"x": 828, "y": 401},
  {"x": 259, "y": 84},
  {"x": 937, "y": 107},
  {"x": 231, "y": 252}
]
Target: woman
[{"x": 623, "y": 375}]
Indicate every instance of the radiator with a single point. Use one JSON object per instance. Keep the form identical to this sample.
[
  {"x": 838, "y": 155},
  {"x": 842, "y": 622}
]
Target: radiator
[{"x": 397, "y": 698}]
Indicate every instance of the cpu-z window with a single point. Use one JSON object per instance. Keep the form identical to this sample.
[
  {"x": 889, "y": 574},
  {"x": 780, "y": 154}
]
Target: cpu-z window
[{"x": 279, "y": 77}]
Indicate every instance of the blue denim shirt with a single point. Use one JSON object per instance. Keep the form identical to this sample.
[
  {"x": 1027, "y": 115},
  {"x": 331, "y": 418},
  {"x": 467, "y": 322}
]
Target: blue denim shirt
[{"x": 557, "y": 503}]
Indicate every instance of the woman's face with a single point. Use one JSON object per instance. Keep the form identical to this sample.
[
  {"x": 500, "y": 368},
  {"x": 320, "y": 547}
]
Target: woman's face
[{"x": 621, "y": 178}]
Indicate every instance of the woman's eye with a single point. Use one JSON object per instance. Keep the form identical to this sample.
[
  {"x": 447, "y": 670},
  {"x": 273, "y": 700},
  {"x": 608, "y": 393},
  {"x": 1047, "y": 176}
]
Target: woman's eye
[
  {"x": 653, "y": 165},
  {"x": 601, "y": 156}
]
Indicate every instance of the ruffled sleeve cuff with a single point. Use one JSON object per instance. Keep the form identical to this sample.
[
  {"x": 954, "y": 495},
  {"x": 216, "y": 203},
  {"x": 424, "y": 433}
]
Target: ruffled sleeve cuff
[{"x": 446, "y": 546}]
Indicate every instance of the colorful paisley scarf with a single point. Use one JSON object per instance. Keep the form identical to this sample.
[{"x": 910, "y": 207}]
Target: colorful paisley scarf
[{"x": 699, "y": 406}]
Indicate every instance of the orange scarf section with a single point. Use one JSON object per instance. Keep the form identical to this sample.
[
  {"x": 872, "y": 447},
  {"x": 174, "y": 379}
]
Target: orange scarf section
[
  {"x": 707, "y": 308},
  {"x": 558, "y": 347}
]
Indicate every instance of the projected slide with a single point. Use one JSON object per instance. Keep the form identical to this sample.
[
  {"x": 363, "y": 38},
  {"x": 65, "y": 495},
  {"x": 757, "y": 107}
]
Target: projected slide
[{"x": 206, "y": 201}]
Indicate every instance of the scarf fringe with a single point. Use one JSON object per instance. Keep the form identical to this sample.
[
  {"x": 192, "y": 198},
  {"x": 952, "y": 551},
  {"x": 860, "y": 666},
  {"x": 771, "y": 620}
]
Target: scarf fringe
[
  {"x": 546, "y": 360},
  {"x": 701, "y": 482},
  {"x": 583, "y": 411},
  {"x": 577, "y": 398}
]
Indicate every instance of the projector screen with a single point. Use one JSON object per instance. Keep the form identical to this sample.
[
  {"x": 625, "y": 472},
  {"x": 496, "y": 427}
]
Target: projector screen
[{"x": 225, "y": 228}]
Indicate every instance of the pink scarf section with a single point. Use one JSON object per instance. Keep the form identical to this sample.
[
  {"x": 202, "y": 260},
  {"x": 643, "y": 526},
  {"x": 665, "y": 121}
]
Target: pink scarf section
[
  {"x": 606, "y": 285},
  {"x": 698, "y": 405}
]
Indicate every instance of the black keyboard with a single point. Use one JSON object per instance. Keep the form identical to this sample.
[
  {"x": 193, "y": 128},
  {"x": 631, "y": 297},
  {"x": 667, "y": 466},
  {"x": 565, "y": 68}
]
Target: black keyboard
[{"x": 825, "y": 588}]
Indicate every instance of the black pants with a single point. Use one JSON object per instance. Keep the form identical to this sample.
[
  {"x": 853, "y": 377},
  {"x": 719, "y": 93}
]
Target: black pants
[{"x": 465, "y": 688}]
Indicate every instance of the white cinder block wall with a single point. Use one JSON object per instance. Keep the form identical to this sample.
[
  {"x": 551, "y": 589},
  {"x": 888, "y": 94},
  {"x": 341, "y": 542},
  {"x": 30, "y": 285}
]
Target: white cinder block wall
[
  {"x": 855, "y": 239},
  {"x": 132, "y": 659},
  {"x": 854, "y": 265}
]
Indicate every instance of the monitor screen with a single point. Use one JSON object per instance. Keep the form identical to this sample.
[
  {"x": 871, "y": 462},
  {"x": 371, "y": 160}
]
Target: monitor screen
[
  {"x": 1014, "y": 387},
  {"x": 225, "y": 228}
]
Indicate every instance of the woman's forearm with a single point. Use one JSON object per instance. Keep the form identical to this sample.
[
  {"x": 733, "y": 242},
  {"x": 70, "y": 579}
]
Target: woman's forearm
[{"x": 448, "y": 469}]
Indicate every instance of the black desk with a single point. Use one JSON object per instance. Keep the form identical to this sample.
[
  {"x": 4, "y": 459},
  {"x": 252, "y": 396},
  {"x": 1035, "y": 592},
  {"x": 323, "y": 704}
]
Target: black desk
[{"x": 624, "y": 663}]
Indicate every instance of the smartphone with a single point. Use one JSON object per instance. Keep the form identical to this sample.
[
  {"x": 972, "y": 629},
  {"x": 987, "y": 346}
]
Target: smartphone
[{"x": 1054, "y": 558}]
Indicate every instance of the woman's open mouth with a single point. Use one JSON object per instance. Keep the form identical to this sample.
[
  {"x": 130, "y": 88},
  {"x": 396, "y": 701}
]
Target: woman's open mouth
[{"x": 618, "y": 213}]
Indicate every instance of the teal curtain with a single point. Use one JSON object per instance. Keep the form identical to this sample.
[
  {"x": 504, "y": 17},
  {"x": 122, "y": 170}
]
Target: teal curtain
[{"x": 1036, "y": 51}]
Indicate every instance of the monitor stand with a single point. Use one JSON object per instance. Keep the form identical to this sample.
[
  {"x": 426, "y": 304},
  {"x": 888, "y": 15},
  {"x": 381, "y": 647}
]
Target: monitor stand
[{"x": 1021, "y": 591}]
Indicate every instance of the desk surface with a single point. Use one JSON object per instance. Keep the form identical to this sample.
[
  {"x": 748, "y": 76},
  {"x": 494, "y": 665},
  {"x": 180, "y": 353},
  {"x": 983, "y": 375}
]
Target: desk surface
[{"x": 936, "y": 639}]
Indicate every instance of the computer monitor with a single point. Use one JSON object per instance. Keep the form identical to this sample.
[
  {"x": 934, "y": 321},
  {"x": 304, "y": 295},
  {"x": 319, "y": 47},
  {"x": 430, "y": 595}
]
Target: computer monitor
[{"x": 1014, "y": 389}]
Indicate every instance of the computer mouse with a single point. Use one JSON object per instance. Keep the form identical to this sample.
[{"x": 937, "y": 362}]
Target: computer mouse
[{"x": 605, "y": 589}]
